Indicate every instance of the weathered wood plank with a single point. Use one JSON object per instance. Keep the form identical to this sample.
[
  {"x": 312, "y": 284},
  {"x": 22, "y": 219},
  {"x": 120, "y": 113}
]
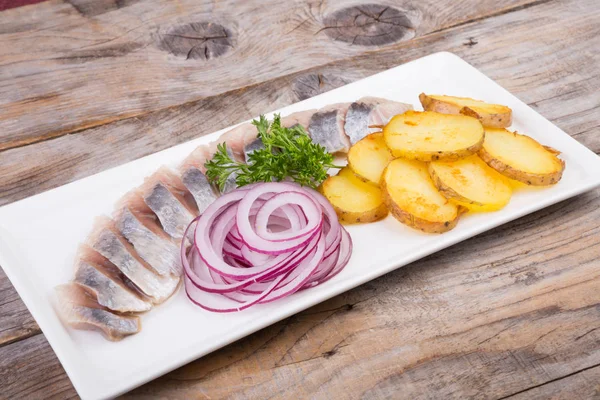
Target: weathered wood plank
[
  {"x": 581, "y": 385},
  {"x": 15, "y": 321},
  {"x": 521, "y": 59},
  {"x": 520, "y": 311},
  {"x": 29, "y": 369},
  {"x": 67, "y": 65}
]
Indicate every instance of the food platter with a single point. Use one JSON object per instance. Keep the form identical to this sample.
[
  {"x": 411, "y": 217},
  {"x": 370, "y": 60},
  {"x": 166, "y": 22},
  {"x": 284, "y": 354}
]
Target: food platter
[{"x": 39, "y": 237}]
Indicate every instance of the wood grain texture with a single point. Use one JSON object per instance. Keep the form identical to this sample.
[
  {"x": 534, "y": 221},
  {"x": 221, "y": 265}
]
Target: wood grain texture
[
  {"x": 582, "y": 385},
  {"x": 89, "y": 62},
  {"x": 515, "y": 318},
  {"x": 568, "y": 99},
  {"x": 15, "y": 321},
  {"x": 30, "y": 370}
]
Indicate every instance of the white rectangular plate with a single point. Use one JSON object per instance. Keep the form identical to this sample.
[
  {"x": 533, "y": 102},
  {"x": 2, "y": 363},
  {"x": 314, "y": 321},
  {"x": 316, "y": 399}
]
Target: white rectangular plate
[{"x": 39, "y": 237}]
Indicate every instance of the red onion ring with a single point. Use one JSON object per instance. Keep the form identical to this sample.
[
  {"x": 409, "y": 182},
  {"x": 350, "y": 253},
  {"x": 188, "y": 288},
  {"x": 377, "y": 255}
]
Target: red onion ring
[{"x": 261, "y": 243}]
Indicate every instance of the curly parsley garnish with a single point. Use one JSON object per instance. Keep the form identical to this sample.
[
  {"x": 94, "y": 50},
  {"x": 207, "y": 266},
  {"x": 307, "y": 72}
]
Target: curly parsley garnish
[{"x": 287, "y": 153}]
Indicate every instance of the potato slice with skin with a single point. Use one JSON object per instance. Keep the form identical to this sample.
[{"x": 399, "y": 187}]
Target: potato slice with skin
[
  {"x": 353, "y": 199},
  {"x": 521, "y": 158},
  {"x": 490, "y": 115},
  {"x": 472, "y": 183},
  {"x": 431, "y": 136},
  {"x": 413, "y": 199},
  {"x": 369, "y": 157}
]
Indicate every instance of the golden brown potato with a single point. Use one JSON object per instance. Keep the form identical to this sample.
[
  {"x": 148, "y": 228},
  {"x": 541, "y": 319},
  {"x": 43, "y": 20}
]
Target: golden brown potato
[
  {"x": 369, "y": 157},
  {"x": 431, "y": 136},
  {"x": 472, "y": 183},
  {"x": 413, "y": 199},
  {"x": 490, "y": 115},
  {"x": 521, "y": 158},
  {"x": 353, "y": 199}
]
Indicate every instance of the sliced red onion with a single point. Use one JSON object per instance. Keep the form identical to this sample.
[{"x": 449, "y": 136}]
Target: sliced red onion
[
  {"x": 257, "y": 243},
  {"x": 261, "y": 243}
]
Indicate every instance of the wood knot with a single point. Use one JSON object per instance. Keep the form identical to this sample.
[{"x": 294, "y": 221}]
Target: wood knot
[
  {"x": 310, "y": 85},
  {"x": 197, "y": 41},
  {"x": 369, "y": 25},
  {"x": 329, "y": 353},
  {"x": 471, "y": 42}
]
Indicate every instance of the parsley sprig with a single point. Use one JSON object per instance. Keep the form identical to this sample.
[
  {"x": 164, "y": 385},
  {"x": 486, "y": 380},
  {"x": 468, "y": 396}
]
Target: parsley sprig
[{"x": 287, "y": 153}]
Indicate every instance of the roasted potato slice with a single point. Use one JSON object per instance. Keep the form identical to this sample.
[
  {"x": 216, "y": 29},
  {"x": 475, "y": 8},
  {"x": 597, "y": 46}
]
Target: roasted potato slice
[
  {"x": 431, "y": 136},
  {"x": 521, "y": 158},
  {"x": 369, "y": 157},
  {"x": 413, "y": 199},
  {"x": 492, "y": 115},
  {"x": 472, "y": 183},
  {"x": 353, "y": 199}
]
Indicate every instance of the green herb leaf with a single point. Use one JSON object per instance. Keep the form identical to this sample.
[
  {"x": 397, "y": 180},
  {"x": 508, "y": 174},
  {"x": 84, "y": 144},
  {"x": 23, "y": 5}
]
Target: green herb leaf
[{"x": 287, "y": 153}]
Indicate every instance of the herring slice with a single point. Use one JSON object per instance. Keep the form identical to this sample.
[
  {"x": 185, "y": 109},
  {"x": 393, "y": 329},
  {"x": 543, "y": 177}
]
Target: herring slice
[
  {"x": 237, "y": 139},
  {"x": 112, "y": 289},
  {"x": 371, "y": 111},
  {"x": 106, "y": 240},
  {"x": 140, "y": 226},
  {"x": 79, "y": 309},
  {"x": 197, "y": 183},
  {"x": 326, "y": 128},
  {"x": 172, "y": 203},
  {"x": 298, "y": 118}
]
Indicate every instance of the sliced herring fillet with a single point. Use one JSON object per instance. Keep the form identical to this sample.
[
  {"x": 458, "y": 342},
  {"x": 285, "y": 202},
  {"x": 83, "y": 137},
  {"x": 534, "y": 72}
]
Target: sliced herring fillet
[
  {"x": 237, "y": 139},
  {"x": 197, "y": 159},
  {"x": 168, "y": 198},
  {"x": 369, "y": 111},
  {"x": 79, "y": 309},
  {"x": 298, "y": 118},
  {"x": 108, "y": 241},
  {"x": 140, "y": 226},
  {"x": 197, "y": 183},
  {"x": 326, "y": 128},
  {"x": 112, "y": 289}
]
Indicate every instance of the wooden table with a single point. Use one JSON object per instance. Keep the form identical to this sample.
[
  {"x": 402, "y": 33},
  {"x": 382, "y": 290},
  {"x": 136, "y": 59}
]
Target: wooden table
[{"x": 86, "y": 85}]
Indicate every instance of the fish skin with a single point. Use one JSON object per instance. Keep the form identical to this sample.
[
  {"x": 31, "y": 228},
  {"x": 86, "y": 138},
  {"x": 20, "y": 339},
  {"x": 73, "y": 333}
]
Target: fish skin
[
  {"x": 236, "y": 139},
  {"x": 326, "y": 128},
  {"x": 79, "y": 309},
  {"x": 369, "y": 111},
  {"x": 197, "y": 183},
  {"x": 100, "y": 277},
  {"x": 298, "y": 118},
  {"x": 160, "y": 252},
  {"x": 251, "y": 147},
  {"x": 230, "y": 182},
  {"x": 197, "y": 159},
  {"x": 384, "y": 110},
  {"x": 107, "y": 241},
  {"x": 172, "y": 203},
  {"x": 193, "y": 176},
  {"x": 141, "y": 227},
  {"x": 357, "y": 121}
]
